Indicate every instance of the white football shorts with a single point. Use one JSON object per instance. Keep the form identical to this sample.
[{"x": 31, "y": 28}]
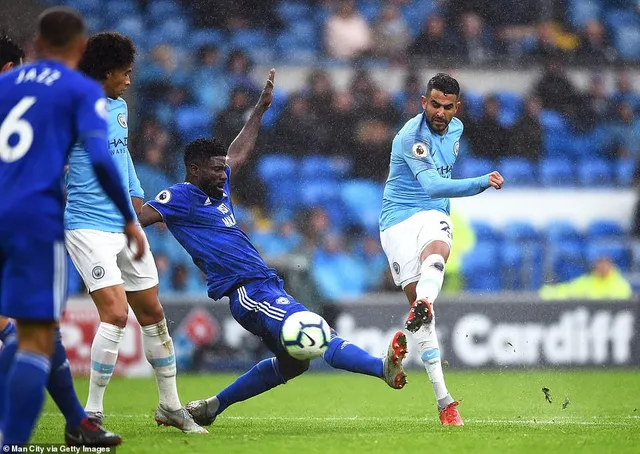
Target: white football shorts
[
  {"x": 404, "y": 242},
  {"x": 104, "y": 259}
]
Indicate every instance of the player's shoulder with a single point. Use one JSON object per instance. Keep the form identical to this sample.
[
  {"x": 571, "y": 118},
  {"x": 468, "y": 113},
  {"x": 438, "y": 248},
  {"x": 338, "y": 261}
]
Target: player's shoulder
[
  {"x": 456, "y": 125},
  {"x": 178, "y": 193},
  {"x": 117, "y": 103},
  {"x": 412, "y": 126}
]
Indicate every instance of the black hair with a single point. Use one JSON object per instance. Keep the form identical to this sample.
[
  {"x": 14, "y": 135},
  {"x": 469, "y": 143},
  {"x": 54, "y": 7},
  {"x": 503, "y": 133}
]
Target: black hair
[
  {"x": 444, "y": 83},
  {"x": 107, "y": 52},
  {"x": 60, "y": 25},
  {"x": 10, "y": 52},
  {"x": 201, "y": 150}
]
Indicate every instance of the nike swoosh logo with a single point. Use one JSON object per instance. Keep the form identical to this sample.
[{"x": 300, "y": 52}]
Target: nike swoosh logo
[{"x": 313, "y": 342}]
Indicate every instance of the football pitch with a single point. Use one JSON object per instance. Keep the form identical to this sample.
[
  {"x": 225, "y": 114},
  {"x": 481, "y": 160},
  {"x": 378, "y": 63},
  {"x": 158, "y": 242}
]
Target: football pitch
[{"x": 504, "y": 412}]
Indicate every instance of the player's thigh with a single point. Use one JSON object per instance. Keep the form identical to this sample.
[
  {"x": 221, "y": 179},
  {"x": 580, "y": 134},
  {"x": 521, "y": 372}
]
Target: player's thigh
[
  {"x": 34, "y": 279},
  {"x": 140, "y": 274},
  {"x": 262, "y": 309},
  {"x": 146, "y": 305},
  {"x": 399, "y": 245},
  {"x": 94, "y": 254},
  {"x": 435, "y": 234}
]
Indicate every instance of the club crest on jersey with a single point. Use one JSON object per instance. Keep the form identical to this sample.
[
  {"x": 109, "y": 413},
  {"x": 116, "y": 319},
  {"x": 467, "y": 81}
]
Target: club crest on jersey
[
  {"x": 419, "y": 150},
  {"x": 282, "y": 300},
  {"x": 122, "y": 120},
  {"x": 396, "y": 267},
  {"x": 163, "y": 197},
  {"x": 456, "y": 147}
]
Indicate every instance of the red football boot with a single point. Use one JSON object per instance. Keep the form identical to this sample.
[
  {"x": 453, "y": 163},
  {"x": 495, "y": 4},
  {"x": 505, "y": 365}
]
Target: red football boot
[
  {"x": 394, "y": 373},
  {"x": 449, "y": 416},
  {"x": 420, "y": 314}
]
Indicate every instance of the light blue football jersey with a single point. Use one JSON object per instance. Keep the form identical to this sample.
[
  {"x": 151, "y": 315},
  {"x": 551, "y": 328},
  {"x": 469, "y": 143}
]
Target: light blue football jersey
[
  {"x": 415, "y": 149},
  {"x": 88, "y": 207}
]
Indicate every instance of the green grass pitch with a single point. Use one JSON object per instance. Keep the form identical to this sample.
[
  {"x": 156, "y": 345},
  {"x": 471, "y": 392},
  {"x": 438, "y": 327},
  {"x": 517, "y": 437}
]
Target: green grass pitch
[{"x": 504, "y": 412}]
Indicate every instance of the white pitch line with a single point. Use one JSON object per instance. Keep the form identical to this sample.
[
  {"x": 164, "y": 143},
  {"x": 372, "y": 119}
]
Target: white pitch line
[{"x": 478, "y": 421}]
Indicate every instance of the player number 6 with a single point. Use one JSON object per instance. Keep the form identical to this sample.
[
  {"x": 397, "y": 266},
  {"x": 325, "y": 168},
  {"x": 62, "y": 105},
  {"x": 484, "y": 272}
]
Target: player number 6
[{"x": 14, "y": 124}]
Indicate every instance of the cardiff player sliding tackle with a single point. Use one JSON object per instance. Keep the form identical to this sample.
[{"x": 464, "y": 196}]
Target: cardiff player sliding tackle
[
  {"x": 415, "y": 229},
  {"x": 200, "y": 215}
]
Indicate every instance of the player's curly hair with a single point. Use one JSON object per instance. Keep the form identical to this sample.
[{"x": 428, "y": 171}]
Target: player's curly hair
[
  {"x": 200, "y": 150},
  {"x": 107, "y": 51},
  {"x": 10, "y": 52},
  {"x": 444, "y": 83}
]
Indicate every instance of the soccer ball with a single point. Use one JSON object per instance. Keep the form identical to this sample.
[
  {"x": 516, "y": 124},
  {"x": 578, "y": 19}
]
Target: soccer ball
[{"x": 305, "y": 335}]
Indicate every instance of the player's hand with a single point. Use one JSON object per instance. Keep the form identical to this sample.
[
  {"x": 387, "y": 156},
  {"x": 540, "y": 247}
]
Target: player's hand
[
  {"x": 266, "y": 97},
  {"x": 135, "y": 239},
  {"x": 496, "y": 180}
]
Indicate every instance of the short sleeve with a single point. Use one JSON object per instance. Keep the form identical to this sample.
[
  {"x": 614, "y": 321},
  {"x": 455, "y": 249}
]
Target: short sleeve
[
  {"x": 416, "y": 153},
  {"x": 91, "y": 113},
  {"x": 172, "y": 204}
]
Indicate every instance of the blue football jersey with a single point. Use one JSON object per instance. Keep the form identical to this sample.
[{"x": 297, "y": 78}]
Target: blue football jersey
[
  {"x": 206, "y": 228},
  {"x": 88, "y": 207},
  {"x": 45, "y": 108},
  {"x": 416, "y": 148}
]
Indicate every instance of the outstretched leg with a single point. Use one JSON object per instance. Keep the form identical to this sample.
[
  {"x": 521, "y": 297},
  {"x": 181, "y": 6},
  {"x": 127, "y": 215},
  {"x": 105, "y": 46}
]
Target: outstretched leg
[{"x": 262, "y": 377}]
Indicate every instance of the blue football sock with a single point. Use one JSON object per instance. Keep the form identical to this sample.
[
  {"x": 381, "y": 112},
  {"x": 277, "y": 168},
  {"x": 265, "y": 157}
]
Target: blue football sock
[
  {"x": 344, "y": 355},
  {"x": 9, "y": 330},
  {"x": 60, "y": 386},
  {"x": 25, "y": 395},
  {"x": 260, "y": 378},
  {"x": 6, "y": 359}
]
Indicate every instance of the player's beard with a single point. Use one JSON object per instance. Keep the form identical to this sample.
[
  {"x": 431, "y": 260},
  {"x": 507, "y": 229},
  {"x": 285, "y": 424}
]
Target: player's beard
[{"x": 440, "y": 125}]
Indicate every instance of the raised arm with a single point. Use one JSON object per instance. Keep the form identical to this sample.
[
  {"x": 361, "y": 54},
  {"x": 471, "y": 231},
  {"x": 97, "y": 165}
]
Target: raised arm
[{"x": 244, "y": 143}]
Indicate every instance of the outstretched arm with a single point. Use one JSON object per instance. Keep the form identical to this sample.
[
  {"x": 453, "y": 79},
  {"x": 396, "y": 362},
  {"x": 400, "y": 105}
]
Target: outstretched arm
[
  {"x": 148, "y": 216},
  {"x": 437, "y": 187},
  {"x": 244, "y": 143}
]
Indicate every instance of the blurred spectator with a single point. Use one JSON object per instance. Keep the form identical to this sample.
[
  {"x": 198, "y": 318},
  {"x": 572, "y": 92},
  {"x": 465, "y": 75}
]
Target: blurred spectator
[
  {"x": 391, "y": 35},
  {"x": 150, "y": 171},
  {"x": 554, "y": 89},
  {"x": 625, "y": 133},
  {"x": 321, "y": 93},
  {"x": 625, "y": 92},
  {"x": 337, "y": 273},
  {"x": 180, "y": 278},
  {"x": 295, "y": 133},
  {"x": 347, "y": 34},
  {"x": 594, "y": 48},
  {"x": 374, "y": 261},
  {"x": 362, "y": 89},
  {"x": 238, "y": 67},
  {"x": 231, "y": 120},
  {"x": 526, "y": 135},
  {"x": 315, "y": 226},
  {"x": 603, "y": 282},
  {"x": 474, "y": 44},
  {"x": 552, "y": 42},
  {"x": 341, "y": 122},
  {"x": 162, "y": 66},
  {"x": 433, "y": 42},
  {"x": 489, "y": 139},
  {"x": 465, "y": 242},
  {"x": 237, "y": 14},
  {"x": 210, "y": 86}
]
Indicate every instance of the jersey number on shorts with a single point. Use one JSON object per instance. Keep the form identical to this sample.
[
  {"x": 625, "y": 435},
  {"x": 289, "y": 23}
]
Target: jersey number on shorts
[
  {"x": 15, "y": 125},
  {"x": 446, "y": 228}
]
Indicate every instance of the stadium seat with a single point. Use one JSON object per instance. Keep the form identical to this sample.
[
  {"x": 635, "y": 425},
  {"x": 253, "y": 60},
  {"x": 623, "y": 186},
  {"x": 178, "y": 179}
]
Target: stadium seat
[
  {"x": 484, "y": 232},
  {"x": 321, "y": 192},
  {"x": 556, "y": 172},
  {"x": 363, "y": 200},
  {"x": 617, "y": 251},
  {"x": 567, "y": 261},
  {"x": 249, "y": 38},
  {"x": 205, "y": 37},
  {"x": 518, "y": 172},
  {"x": 133, "y": 27},
  {"x": 552, "y": 121},
  {"x": 604, "y": 229},
  {"x": 159, "y": 11},
  {"x": 86, "y": 6},
  {"x": 518, "y": 231},
  {"x": 470, "y": 167},
  {"x": 595, "y": 173},
  {"x": 581, "y": 11},
  {"x": 558, "y": 231},
  {"x": 316, "y": 166},
  {"x": 473, "y": 105},
  {"x": 118, "y": 9},
  {"x": 277, "y": 167},
  {"x": 625, "y": 170},
  {"x": 510, "y": 107},
  {"x": 292, "y": 11},
  {"x": 192, "y": 122},
  {"x": 482, "y": 268},
  {"x": 522, "y": 266}
]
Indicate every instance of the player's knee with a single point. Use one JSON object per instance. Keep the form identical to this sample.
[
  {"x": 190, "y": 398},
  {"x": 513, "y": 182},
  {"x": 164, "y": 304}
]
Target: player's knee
[
  {"x": 434, "y": 262},
  {"x": 150, "y": 314},
  {"x": 115, "y": 316},
  {"x": 291, "y": 368}
]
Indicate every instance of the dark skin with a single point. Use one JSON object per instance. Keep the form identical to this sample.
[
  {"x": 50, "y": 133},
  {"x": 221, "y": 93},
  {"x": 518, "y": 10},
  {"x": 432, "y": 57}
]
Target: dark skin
[{"x": 210, "y": 176}]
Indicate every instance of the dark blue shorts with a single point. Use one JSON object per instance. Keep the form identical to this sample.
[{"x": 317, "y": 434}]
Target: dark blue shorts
[
  {"x": 261, "y": 308},
  {"x": 33, "y": 278}
]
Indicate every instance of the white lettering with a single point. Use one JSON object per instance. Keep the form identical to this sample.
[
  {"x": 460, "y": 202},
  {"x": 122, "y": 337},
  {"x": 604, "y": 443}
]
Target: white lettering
[{"x": 468, "y": 335}]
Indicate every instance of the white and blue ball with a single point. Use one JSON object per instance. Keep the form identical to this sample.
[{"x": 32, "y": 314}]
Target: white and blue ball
[{"x": 305, "y": 335}]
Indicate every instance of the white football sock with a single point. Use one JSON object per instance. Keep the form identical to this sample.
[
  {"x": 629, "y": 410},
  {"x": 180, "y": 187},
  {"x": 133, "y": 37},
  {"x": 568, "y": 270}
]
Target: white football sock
[
  {"x": 431, "y": 277},
  {"x": 158, "y": 348},
  {"x": 104, "y": 353}
]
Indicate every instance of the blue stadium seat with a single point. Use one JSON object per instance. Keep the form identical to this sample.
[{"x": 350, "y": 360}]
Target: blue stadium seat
[
  {"x": 558, "y": 231},
  {"x": 617, "y": 251},
  {"x": 482, "y": 268},
  {"x": 485, "y": 232},
  {"x": 249, "y": 38},
  {"x": 604, "y": 229},
  {"x": 518, "y": 172},
  {"x": 86, "y": 6},
  {"x": 172, "y": 30},
  {"x": 552, "y": 121},
  {"x": 159, "y": 11},
  {"x": 567, "y": 260},
  {"x": 473, "y": 105},
  {"x": 319, "y": 193},
  {"x": 595, "y": 173},
  {"x": 290, "y": 11},
  {"x": 510, "y": 107},
  {"x": 581, "y": 11},
  {"x": 556, "y": 172},
  {"x": 522, "y": 268},
  {"x": 192, "y": 122},
  {"x": 277, "y": 166},
  {"x": 470, "y": 167},
  {"x": 363, "y": 200},
  {"x": 205, "y": 37},
  {"x": 133, "y": 27},
  {"x": 520, "y": 231},
  {"x": 118, "y": 9},
  {"x": 625, "y": 170},
  {"x": 316, "y": 166}
]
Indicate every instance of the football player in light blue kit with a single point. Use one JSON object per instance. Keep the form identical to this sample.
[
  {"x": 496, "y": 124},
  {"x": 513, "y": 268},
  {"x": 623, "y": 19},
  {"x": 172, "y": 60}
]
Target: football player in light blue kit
[
  {"x": 415, "y": 229},
  {"x": 199, "y": 213},
  {"x": 100, "y": 252},
  {"x": 44, "y": 108}
]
